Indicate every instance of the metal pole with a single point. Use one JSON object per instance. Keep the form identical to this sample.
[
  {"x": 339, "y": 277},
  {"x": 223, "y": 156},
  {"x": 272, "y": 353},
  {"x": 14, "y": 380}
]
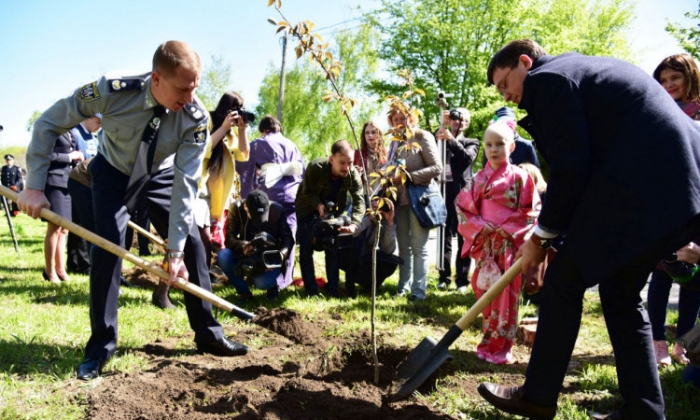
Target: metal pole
[
  {"x": 442, "y": 147},
  {"x": 9, "y": 223},
  {"x": 280, "y": 98}
]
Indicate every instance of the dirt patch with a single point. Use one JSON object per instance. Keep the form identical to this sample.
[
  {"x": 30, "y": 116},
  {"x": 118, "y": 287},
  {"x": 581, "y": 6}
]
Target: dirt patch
[
  {"x": 289, "y": 324},
  {"x": 142, "y": 278},
  {"x": 290, "y": 376}
]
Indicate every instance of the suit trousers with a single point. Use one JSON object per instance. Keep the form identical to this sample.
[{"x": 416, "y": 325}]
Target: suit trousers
[
  {"x": 111, "y": 217},
  {"x": 77, "y": 247},
  {"x": 628, "y": 327}
]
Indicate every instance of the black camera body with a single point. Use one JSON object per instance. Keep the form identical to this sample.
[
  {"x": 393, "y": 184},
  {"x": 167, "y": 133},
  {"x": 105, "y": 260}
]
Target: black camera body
[
  {"x": 262, "y": 258},
  {"x": 325, "y": 235},
  {"x": 247, "y": 116}
]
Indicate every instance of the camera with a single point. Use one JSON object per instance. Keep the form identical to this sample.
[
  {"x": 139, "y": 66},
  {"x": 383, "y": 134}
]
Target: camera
[
  {"x": 247, "y": 116},
  {"x": 455, "y": 115},
  {"x": 262, "y": 256},
  {"x": 679, "y": 271},
  {"x": 324, "y": 231}
]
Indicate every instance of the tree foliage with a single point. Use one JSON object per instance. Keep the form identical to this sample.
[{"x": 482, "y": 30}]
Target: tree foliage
[
  {"x": 309, "y": 121},
  {"x": 32, "y": 119},
  {"x": 688, "y": 38},
  {"x": 447, "y": 44},
  {"x": 216, "y": 79}
]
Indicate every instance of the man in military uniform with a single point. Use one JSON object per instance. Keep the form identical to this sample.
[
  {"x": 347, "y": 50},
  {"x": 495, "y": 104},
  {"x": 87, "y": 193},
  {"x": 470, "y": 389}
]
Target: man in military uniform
[
  {"x": 12, "y": 179},
  {"x": 155, "y": 131}
]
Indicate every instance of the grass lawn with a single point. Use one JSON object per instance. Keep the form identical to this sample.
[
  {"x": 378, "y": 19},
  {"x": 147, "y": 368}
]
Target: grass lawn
[{"x": 43, "y": 329}]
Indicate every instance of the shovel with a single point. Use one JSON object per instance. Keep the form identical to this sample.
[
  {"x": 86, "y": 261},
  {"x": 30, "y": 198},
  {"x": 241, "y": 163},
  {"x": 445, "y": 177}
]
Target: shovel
[
  {"x": 152, "y": 268},
  {"x": 429, "y": 355}
]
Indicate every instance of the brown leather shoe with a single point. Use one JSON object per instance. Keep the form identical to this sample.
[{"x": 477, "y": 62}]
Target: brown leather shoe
[{"x": 510, "y": 400}]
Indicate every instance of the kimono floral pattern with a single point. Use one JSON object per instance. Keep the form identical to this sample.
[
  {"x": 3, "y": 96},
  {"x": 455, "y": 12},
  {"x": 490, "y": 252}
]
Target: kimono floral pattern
[{"x": 505, "y": 198}]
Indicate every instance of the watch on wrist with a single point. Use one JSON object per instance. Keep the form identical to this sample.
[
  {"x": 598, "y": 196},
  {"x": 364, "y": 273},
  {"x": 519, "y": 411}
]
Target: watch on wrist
[
  {"x": 542, "y": 243},
  {"x": 175, "y": 254}
]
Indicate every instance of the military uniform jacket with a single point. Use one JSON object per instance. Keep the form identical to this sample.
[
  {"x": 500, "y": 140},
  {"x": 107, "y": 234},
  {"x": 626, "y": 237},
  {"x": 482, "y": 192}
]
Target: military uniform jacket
[
  {"x": 624, "y": 159},
  {"x": 12, "y": 176},
  {"x": 126, "y": 105}
]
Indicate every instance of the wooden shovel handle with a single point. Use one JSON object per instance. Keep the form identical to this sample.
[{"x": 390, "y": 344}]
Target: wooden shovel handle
[
  {"x": 152, "y": 268},
  {"x": 490, "y": 295}
]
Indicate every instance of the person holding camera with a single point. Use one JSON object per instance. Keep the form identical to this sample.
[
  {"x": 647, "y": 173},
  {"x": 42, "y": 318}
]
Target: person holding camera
[
  {"x": 327, "y": 180},
  {"x": 360, "y": 272},
  {"x": 258, "y": 242},
  {"x": 460, "y": 155}
]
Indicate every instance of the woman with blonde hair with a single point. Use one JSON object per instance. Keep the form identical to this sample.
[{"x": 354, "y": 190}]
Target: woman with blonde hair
[{"x": 423, "y": 164}]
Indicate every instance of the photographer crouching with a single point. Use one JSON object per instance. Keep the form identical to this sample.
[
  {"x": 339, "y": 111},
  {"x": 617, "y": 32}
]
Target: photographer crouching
[
  {"x": 258, "y": 240},
  {"x": 327, "y": 181}
]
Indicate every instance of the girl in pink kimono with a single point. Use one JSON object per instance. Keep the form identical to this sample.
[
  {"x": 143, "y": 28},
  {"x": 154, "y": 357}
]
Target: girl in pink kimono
[{"x": 496, "y": 215}]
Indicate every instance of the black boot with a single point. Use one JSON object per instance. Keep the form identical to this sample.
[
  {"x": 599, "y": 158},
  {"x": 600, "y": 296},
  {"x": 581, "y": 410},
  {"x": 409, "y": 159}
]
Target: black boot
[{"x": 161, "y": 298}]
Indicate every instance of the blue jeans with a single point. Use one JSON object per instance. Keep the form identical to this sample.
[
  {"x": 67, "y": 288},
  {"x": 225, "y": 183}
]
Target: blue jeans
[
  {"x": 412, "y": 239},
  {"x": 228, "y": 262},
  {"x": 657, "y": 304},
  {"x": 306, "y": 260}
]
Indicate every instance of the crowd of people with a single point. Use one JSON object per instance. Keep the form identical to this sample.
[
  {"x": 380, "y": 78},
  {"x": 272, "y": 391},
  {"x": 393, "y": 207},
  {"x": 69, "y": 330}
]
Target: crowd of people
[{"x": 621, "y": 204}]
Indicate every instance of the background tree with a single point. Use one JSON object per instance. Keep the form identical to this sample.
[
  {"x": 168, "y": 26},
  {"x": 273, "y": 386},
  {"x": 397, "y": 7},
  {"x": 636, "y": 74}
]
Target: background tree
[
  {"x": 688, "y": 38},
  {"x": 32, "y": 119},
  {"x": 312, "y": 124},
  {"x": 216, "y": 80},
  {"x": 447, "y": 44}
]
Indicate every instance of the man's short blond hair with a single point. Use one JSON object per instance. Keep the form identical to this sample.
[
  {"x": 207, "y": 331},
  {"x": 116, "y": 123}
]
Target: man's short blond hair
[{"x": 173, "y": 54}]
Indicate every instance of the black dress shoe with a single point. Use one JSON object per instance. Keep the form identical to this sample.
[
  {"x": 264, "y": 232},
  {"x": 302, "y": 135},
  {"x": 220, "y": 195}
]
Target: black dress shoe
[
  {"x": 599, "y": 416},
  {"x": 511, "y": 400},
  {"x": 90, "y": 369},
  {"x": 222, "y": 347}
]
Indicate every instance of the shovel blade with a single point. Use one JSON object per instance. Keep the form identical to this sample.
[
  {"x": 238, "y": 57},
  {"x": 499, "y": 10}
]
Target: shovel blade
[{"x": 422, "y": 362}]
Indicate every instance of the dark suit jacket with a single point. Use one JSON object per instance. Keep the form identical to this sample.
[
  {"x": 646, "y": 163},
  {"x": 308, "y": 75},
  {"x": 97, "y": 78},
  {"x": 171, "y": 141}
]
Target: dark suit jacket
[
  {"x": 624, "y": 160},
  {"x": 61, "y": 164}
]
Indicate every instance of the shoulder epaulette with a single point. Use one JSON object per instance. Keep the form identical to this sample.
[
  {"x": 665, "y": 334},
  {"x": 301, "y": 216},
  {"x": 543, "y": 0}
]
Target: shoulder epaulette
[
  {"x": 127, "y": 84},
  {"x": 196, "y": 111}
]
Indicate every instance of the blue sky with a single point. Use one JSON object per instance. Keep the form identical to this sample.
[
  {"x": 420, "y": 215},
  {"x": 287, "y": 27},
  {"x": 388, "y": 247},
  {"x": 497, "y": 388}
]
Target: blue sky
[{"x": 49, "y": 48}]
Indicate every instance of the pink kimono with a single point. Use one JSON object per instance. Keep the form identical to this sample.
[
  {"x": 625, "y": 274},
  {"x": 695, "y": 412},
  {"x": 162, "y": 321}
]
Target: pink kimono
[{"x": 506, "y": 198}]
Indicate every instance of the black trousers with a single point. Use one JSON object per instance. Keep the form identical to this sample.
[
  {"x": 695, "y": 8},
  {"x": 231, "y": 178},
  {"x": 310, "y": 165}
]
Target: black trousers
[
  {"x": 77, "y": 247},
  {"x": 625, "y": 317},
  {"x": 111, "y": 217},
  {"x": 462, "y": 265}
]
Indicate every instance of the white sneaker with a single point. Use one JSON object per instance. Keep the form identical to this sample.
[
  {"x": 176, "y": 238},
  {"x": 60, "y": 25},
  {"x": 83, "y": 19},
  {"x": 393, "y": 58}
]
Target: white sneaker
[
  {"x": 661, "y": 353},
  {"x": 401, "y": 293},
  {"x": 442, "y": 285},
  {"x": 462, "y": 289}
]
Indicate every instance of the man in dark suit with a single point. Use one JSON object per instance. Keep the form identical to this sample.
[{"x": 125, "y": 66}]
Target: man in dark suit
[{"x": 625, "y": 188}]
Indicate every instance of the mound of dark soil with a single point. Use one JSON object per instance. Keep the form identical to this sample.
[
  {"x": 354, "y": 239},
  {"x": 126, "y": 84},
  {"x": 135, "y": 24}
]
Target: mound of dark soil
[{"x": 295, "y": 374}]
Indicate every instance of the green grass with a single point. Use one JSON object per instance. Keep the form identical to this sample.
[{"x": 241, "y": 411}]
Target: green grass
[{"x": 43, "y": 330}]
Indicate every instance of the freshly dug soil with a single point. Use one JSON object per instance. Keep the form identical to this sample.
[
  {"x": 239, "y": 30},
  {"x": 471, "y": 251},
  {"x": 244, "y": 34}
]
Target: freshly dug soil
[{"x": 295, "y": 373}]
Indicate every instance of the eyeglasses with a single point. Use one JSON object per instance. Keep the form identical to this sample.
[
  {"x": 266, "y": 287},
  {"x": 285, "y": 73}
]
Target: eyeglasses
[{"x": 503, "y": 85}]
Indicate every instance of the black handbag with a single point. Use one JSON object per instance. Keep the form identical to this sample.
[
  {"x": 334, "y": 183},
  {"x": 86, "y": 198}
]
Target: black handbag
[{"x": 427, "y": 204}]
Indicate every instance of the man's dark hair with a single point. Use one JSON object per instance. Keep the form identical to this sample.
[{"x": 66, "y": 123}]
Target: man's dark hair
[
  {"x": 342, "y": 146},
  {"x": 269, "y": 124},
  {"x": 507, "y": 56}
]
